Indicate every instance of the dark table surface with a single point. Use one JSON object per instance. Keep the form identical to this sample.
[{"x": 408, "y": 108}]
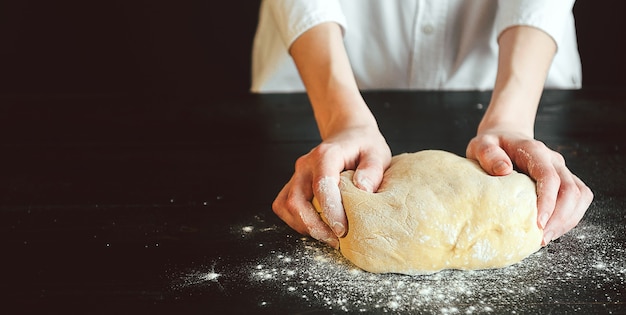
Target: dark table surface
[{"x": 149, "y": 205}]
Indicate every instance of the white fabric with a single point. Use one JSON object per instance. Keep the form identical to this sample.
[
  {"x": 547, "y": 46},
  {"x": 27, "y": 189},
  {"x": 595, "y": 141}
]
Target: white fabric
[{"x": 413, "y": 44}]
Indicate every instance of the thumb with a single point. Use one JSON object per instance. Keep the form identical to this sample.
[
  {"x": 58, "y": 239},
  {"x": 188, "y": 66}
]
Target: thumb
[
  {"x": 369, "y": 174},
  {"x": 491, "y": 157}
]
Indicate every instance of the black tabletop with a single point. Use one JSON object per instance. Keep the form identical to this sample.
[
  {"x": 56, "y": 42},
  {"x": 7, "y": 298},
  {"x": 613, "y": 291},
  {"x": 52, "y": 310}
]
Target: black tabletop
[{"x": 116, "y": 204}]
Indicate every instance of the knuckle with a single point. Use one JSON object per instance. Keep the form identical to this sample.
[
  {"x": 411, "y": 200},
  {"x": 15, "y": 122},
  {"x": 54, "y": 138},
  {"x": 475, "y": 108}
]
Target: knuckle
[
  {"x": 284, "y": 206},
  {"x": 549, "y": 179},
  {"x": 473, "y": 143},
  {"x": 323, "y": 149},
  {"x": 588, "y": 194},
  {"x": 485, "y": 150},
  {"x": 547, "y": 193},
  {"x": 571, "y": 191},
  {"x": 318, "y": 155},
  {"x": 558, "y": 158},
  {"x": 301, "y": 162},
  {"x": 290, "y": 205},
  {"x": 534, "y": 144},
  {"x": 278, "y": 206}
]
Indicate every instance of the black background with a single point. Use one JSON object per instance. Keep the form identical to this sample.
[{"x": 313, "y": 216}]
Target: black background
[
  {"x": 192, "y": 49},
  {"x": 132, "y": 155}
]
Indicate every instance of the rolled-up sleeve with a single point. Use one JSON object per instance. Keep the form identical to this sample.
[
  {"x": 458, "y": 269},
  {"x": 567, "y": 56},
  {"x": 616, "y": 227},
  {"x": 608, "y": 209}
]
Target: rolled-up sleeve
[
  {"x": 550, "y": 16},
  {"x": 294, "y": 17}
]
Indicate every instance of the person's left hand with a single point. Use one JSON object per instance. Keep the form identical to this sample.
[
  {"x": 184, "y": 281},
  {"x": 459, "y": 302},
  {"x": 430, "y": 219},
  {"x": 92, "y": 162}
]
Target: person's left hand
[{"x": 562, "y": 198}]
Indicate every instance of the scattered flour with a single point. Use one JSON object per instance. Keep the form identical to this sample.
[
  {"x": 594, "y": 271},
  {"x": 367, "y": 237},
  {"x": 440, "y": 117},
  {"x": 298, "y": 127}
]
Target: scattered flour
[
  {"x": 320, "y": 277},
  {"x": 314, "y": 276},
  {"x": 210, "y": 276}
]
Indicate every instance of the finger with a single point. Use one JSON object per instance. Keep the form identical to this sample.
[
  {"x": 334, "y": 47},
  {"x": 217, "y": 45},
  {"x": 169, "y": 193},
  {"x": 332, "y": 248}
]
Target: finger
[
  {"x": 369, "y": 174},
  {"x": 563, "y": 217},
  {"x": 586, "y": 197},
  {"x": 329, "y": 197},
  {"x": 288, "y": 202},
  {"x": 316, "y": 226},
  {"x": 547, "y": 194},
  {"x": 540, "y": 168},
  {"x": 491, "y": 157},
  {"x": 293, "y": 207},
  {"x": 585, "y": 200},
  {"x": 568, "y": 214},
  {"x": 326, "y": 190}
]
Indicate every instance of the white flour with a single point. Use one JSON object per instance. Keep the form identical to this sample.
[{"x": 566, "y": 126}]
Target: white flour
[
  {"x": 321, "y": 277},
  {"x": 311, "y": 274}
]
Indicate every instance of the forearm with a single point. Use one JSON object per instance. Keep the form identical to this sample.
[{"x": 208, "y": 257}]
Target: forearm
[
  {"x": 525, "y": 56},
  {"x": 323, "y": 64}
]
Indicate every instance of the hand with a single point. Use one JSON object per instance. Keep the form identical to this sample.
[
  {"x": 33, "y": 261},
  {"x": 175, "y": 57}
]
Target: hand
[
  {"x": 360, "y": 148},
  {"x": 562, "y": 198}
]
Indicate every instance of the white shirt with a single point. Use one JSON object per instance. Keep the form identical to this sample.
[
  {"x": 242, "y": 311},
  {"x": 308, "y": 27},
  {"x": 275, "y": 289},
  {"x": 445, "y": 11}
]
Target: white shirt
[{"x": 413, "y": 44}]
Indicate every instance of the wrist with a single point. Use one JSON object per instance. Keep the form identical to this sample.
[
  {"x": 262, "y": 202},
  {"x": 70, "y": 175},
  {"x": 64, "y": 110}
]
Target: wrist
[
  {"x": 504, "y": 126},
  {"x": 340, "y": 115},
  {"x": 499, "y": 118}
]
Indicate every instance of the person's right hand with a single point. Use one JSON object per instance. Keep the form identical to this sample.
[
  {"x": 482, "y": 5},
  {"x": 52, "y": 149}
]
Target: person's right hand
[
  {"x": 361, "y": 148},
  {"x": 351, "y": 139}
]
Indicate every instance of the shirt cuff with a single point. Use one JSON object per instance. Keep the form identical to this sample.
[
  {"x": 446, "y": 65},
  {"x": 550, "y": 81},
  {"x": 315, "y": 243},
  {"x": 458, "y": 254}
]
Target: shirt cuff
[
  {"x": 550, "y": 16},
  {"x": 294, "y": 17}
]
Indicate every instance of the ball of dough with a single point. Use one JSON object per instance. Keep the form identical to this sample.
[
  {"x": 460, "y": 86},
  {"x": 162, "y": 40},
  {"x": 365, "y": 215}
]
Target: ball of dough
[{"x": 435, "y": 210}]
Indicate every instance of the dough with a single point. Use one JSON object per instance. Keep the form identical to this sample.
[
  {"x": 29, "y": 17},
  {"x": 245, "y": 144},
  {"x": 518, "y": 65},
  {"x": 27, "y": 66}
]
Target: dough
[{"x": 435, "y": 210}]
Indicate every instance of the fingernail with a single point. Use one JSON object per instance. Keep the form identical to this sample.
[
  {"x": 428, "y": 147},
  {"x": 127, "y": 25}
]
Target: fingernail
[
  {"x": 334, "y": 243},
  {"x": 543, "y": 220},
  {"x": 500, "y": 167},
  {"x": 324, "y": 237},
  {"x": 547, "y": 237},
  {"x": 339, "y": 229},
  {"x": 364, "y": 183}
]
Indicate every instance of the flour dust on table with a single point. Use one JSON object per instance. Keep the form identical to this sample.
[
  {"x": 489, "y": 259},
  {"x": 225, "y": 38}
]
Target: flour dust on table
[{"x": 306, "y": 274}]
